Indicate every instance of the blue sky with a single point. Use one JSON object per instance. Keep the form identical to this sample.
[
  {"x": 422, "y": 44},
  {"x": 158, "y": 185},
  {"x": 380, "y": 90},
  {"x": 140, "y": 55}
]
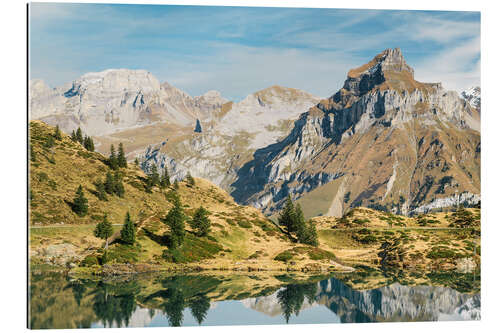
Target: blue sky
[{"x": 239, "y": 50}]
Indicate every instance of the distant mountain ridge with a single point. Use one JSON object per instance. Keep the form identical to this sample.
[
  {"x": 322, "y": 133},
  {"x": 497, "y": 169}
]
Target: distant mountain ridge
[
  {"x": 384, "y": 139},
  {"x": 117, "y": 99}
]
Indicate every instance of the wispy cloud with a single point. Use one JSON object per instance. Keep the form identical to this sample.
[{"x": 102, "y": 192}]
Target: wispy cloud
[{"x": 239, "y": 50}]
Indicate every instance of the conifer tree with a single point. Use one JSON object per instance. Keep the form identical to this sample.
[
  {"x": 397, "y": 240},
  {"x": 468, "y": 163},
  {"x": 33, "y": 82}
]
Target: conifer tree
[
  {"x": 136, "y": 161},
  {"x": 199, "y": 307},
  {"x": 57, "y": 133},
  {"x": 149, "y": 186},
  {"x": 113, "y": 161},
  {"x": 200, "y": 222},
  {"x": 109, "y": 183},
  {"x": 79, "y": 135},
  {"x": 189, "y": 179},
  {"x": 122, "y": 160},
  {"x": 88, "y": 143},
  {"x": 287, "y": 216},
  {"x": 308, "y": 234},
  {"x": 101, "y": 191},
  {"x": 165, "y": 178},
  {"x": 128, "y": 231},
  {"x": 119, "y": 189},
  {"x": 73, "y": 136},
  {"x": 176, "y": 184},
  {"x": 154, "y": 176},
  {"x": 299, "y": 218},
  {"x": 104, "y": 230},
  {"x": 80, "y": 206},
  {"x": 175, "y": 220}
]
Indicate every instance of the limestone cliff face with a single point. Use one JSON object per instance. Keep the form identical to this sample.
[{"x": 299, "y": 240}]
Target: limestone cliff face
[
  {"x": 232, "y": 136},
  {"x": 387, "y": 138},
  {"x": 117, "y": 99}
]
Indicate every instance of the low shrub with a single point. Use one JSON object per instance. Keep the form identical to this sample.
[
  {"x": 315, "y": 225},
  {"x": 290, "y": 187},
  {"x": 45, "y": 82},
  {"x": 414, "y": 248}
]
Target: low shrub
[
  {"x": 89, "y": 261},
  {"x": 284, "y": 256},
  {"x": 244, "y": 224}
]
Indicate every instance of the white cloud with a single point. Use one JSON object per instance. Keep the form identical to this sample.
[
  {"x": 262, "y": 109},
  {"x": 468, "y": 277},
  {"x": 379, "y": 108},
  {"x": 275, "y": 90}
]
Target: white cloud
[{"x": 458, "y": 67}]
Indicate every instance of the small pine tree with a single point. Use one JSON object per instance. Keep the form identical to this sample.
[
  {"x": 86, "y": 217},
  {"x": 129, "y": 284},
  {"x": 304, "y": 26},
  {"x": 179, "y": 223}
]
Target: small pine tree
[
  {"x": 189, "y": 179},
  {"x": 165, "y": 178},
  {"x": 154, "y": 176},
  {"x": 80, "y": 206},
  {"x": 119, "y": 189},
  {"x": 128, "y": 231},
  {"x": 299, "y": 222},
  {"x": 113, "y": 161},
  {"x": 57, "y": 133},
  {"x": 79, "y": 135},
  {"x": 73, "y": 136},
  {"x": 122, "y": 160},
  {"x": 88, "y": 143},
  {"x": 176, "y": 184},
  {"x": 148, "y": 186},
  {"x": 101, "y": 190},
  {"x": 308, "y": 234},
  {"x": 109, "y": 183},
  {"x": 287, "y": 216},
  {"x": 104, "y": 230},
  {"x": 175, "y": 220},
  {"x": 136, "y": 161},
  {"x": 200, "y": 222}
]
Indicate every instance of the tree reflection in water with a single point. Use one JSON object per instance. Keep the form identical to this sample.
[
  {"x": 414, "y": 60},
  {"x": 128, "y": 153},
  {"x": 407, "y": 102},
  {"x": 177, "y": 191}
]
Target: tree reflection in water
[
  {"x": 291, "y": 298},
  {"x": 115, "y": 303}
]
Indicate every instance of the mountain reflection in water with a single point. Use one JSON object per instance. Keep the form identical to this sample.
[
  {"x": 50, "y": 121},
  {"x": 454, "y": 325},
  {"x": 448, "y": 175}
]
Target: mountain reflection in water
[{"x": 57, "y": 301}]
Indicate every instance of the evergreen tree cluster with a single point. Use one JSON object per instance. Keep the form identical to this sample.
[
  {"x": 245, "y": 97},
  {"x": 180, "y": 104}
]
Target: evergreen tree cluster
[
  {"x": 200, "y": 222},
  {"x": 113, "y": 184},
  {"x": 154, "y": 178},
  {"x": 86, "y": 141},
  {"x": 462, "y": 218},
  {"x": 119, "y": 160},
  {"x": 292, "y": 218}
]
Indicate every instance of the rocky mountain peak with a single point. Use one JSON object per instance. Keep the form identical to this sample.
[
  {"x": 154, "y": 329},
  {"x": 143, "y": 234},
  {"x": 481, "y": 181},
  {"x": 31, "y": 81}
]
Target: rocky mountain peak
[
  {"x": 114, "y": 80},
  {"x": 386, "y": 61},
  {"x": 473, "y": 96},
  {"x": 387, "y": 70},
  {"x": 211, "y": 97}
]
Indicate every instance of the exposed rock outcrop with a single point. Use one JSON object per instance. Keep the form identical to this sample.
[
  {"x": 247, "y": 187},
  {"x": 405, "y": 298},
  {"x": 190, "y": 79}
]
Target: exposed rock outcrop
[
  {"x": 118, "y": 99},
  {"x": 229, "y": 141},
  {"x": 387, "y": 138}
]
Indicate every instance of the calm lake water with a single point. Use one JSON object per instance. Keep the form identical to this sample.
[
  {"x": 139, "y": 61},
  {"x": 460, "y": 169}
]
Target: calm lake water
[{"x": 58, "y": 301}]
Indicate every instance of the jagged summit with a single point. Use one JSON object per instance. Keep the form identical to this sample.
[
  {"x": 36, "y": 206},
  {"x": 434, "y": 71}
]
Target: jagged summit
[
  {"x": 383, "y": 138},
  {"x": 387, "y": 60},
  {"x": 387, "y": 70}
]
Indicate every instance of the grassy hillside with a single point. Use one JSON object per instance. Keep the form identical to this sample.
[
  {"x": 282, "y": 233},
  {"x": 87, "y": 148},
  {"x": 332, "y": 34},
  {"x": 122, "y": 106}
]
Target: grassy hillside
[
  {"x": 444, "y": 240},
  {"x": 240, "y": 236}
]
